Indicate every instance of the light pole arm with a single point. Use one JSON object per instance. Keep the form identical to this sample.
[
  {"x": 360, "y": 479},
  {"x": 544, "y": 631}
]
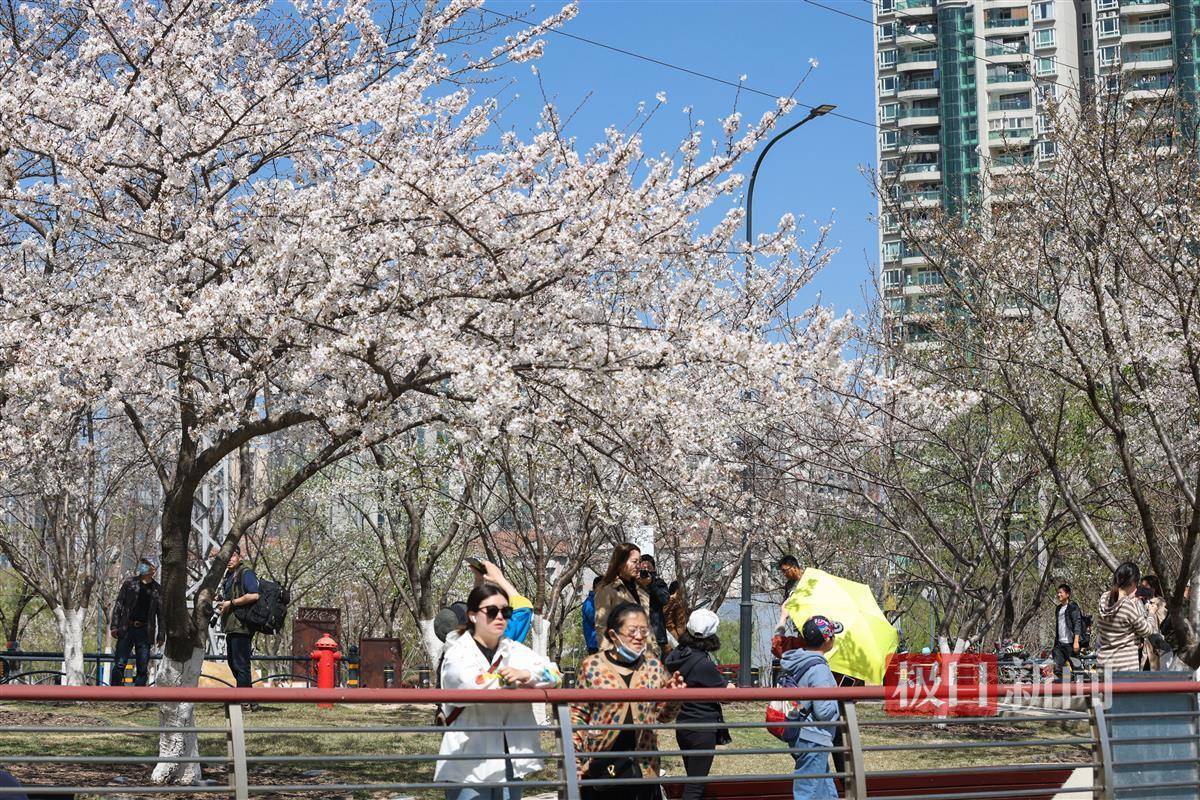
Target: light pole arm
[{"x": 754, "y": 175}]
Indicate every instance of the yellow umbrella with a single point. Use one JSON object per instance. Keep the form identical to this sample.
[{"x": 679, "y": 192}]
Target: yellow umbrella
[{"x": 863, "y": 648}]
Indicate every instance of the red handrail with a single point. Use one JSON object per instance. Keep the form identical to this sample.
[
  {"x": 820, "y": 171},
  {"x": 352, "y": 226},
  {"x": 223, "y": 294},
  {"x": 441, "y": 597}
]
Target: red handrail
[{"x": 225, "y": 695}]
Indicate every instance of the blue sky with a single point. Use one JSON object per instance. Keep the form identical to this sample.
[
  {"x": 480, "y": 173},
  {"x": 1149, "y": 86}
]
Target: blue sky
[{"x": 812, "y": 172}]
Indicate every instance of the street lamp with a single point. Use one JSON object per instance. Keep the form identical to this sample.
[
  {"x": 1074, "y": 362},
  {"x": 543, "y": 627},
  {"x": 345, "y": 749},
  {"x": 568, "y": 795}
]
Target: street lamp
[{"x": 747, "y": 605}]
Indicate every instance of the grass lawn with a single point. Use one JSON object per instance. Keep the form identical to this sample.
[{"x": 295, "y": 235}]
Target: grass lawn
[{"x": 336, "y": 738}]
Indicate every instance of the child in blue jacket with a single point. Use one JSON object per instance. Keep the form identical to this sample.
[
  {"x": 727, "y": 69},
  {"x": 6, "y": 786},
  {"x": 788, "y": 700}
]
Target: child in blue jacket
[{"x": 808, "y": 668}]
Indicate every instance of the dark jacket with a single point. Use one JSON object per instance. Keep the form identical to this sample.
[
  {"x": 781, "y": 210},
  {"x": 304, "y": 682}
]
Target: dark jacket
[
  {"x": 700, "y": 672},
  {"x": 127, "y": 599},
  {"x": 660, "y": 595},
  {"x": 1074, "y": 621}
]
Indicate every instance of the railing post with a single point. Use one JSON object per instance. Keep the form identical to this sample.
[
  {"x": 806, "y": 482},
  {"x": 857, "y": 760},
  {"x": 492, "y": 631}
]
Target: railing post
[
  {"x": 569, "y": 762},
  {"x": 238, "y": 780},
  {"x": 1102, "y": 782},
  {"x": 856, "y": 781}
]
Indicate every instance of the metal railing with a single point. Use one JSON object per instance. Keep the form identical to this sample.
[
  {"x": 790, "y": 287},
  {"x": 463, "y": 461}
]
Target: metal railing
[
  {"x": 12, "y": 671},
  {"x": 1035, "y": 750}
]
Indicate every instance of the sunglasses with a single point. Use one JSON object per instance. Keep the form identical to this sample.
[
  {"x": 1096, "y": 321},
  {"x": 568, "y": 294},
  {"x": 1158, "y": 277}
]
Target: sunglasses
[{"x": 491, "y": 612}]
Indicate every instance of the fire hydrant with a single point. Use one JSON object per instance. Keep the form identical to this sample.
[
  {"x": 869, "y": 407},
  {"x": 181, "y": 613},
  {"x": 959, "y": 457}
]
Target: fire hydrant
[{"x": 326, "y": 655}]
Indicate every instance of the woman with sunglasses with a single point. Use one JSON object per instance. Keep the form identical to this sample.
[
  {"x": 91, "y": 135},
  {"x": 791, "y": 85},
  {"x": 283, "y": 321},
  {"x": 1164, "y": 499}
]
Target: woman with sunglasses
[
  {"x": 625, "y": 664},
  {"x": 478, "y": 656}
]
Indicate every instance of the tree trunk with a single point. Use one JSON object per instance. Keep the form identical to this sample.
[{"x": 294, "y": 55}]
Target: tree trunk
[
  {"x": 432, "y": 645},
  {"x": 539, "y": 635},
  {"x": 178, "y": 715},
  {"x": 70, "y": 627}
]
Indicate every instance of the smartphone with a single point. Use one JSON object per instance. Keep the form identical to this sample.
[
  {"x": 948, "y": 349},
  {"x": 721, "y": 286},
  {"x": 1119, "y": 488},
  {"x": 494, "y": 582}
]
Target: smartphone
[{"x": 476, "y": 564}]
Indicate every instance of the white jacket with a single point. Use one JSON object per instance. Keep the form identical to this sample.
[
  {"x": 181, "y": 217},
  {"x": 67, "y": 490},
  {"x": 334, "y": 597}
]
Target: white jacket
[{"x": 464, "y": 667}]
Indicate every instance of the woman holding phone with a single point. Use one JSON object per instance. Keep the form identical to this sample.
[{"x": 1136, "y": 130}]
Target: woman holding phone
[
  {"x": 478, "y": 656},
  {"x": 619, "y": 586}
]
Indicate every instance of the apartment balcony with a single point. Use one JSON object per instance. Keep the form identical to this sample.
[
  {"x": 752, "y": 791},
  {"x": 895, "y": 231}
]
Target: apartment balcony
[
  {"x": 915, "y": 35},
  {"x": 921, "y": 199},
  {"x": 913, "y": 60},
  {"x": 918, "y": 173},
  {"x": 1011, "y": 162},
  {"x": 1132, "y": 7},
  {"x": 1007, "y": 53},
  {"x": 1014, "y": 137},
  {"x": 919, "y": 89},
  {"x": 1012, "y": 82},
  {"x": 920, "y": 144},
  {"x": 997, "y": 26},
  {"x": 1158, "y": 30},
  {"x": 1007, "y": 4},
  {"x": 1154, "y": 60},
  {"x": 999, "y": 107},
  {"x": 913, "y": 258},
  {"x": 1152, "y": 89},
  {"x": 909, "y": 9},
  {"x": 918, "y": 117}
]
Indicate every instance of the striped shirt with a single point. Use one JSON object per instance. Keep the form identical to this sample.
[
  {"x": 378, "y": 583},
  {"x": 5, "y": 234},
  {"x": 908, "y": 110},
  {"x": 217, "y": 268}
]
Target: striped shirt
[{"x": 1123, "y": 625}]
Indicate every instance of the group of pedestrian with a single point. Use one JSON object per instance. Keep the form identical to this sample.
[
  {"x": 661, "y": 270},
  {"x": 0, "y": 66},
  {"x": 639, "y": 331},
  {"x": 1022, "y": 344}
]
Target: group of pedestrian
[
  {"x": 136, "y": 622},
  {"x": 1130, "y": 625},
  {"x": 638, "y": 636},
  {"x": 1131, "y": 619}
]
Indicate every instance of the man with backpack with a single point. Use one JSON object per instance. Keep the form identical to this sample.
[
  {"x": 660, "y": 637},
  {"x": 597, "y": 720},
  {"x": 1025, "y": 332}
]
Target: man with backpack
[
  {"x": 808, "y": 668},
  {"x": 239, "y": 588}
]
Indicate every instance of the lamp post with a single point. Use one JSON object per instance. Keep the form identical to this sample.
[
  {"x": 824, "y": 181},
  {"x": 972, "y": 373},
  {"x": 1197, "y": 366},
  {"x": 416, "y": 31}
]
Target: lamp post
[{"x": 747, "y": 604}]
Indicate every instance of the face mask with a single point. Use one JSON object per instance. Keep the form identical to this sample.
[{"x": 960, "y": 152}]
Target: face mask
[
  {"x": 143, "y": 569},
  {"x": 628, "y": 654}
]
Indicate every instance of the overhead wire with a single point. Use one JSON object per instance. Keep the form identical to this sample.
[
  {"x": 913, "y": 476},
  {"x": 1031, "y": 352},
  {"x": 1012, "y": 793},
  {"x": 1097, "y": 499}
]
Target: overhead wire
[{"x": 678, "y": 68}]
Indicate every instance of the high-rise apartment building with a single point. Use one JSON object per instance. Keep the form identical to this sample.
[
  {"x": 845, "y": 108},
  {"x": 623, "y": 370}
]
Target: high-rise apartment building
[{"x": 961, "y": 86}]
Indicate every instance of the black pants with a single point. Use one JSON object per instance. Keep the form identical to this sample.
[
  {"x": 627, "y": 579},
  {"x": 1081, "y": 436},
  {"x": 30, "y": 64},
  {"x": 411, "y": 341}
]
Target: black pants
[
  {"x": 1062, "y": 653},
  {"x": 237, "y": 646},
  {"x": 133, "y": 642},
  {"x": 696, "y": 766}
]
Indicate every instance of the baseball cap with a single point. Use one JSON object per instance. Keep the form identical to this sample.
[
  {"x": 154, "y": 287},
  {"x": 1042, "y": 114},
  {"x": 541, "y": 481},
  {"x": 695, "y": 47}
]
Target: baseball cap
[
  {"x": 703, "y": 623},
  {"x": 818, "y": 630}
]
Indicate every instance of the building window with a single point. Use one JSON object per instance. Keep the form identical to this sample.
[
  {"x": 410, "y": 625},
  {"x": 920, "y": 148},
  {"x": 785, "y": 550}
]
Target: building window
[
  {"x": 1043, "y": 37},
  {"x": 1043, "y": 10},
  {"x": 1046, "y": 149},
  {"x": 1109, "y": 26},
  {"x": 891, "y": 251},
  {"x": 887, "y": 58},
  {"x": 1045, "y": 66},
  {"x": 1105, "y": 5},
  {"x": 1110, "y": 55},
  {"x": 891, "y": 278},
  {"x": 889, "y": 223},
  {"x": 888, "y": 111},
  {"x": 887, "y": 85},
  {"x": 887, "y": 31},
  {"x": 889, "y": 140},
  {"x": 889, "y": 166},
  {"x": 1047, "y": 91},
  {"x": 887, "y": 6},
  {"x": 1044, "y": 123}
]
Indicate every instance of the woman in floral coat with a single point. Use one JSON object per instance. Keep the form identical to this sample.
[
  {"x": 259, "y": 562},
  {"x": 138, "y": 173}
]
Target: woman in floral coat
[{"x": 625, "y": 664}]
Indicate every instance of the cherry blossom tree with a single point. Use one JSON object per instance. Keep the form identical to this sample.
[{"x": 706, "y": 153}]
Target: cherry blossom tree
[
  {"x": 66, "y": 513},
  {"x": 1072, "y": 298}
]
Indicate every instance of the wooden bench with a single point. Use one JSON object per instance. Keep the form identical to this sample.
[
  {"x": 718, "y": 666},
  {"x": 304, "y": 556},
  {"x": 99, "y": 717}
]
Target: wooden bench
[{"x": 1033, "y": 779}]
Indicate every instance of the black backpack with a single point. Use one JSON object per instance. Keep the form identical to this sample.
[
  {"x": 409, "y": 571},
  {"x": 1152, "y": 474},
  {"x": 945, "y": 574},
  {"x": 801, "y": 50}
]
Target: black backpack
[{"x": 267, "y": 614}]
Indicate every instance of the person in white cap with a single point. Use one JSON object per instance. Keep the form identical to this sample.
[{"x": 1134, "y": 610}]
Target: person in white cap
[{"x": 693, "y": 660}]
